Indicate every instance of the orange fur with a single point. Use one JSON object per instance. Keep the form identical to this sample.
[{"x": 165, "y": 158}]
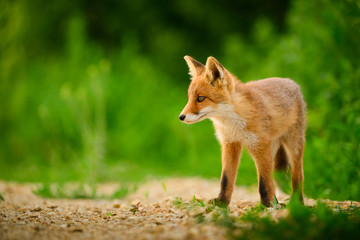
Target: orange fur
[{"x": 267, "y": 116}]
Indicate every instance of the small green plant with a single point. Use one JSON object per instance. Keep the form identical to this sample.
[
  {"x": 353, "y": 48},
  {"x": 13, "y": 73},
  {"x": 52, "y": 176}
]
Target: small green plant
[
  {"x": 178, "y": 202},
  {"x": 164, "y": 187},
  {"x": 198, "y": 201},
  {"x": 276, "y": 205},
  {"x": 135, "y": 208},
  {"x": 1, "y": 197},
  {"x": 200, "y": 218},
  {"x": 195, "y": 207},
  {"x": 109, "y": 214}
]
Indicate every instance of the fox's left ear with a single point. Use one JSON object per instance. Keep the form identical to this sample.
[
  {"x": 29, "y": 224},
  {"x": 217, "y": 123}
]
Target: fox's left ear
[
  {"x": 196, "y": 67},
  {"x": 214, "y": 71}
]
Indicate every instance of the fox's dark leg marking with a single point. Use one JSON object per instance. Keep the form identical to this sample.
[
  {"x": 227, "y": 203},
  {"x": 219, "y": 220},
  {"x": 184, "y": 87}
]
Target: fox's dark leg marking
[
  {"x": 230, "y": 157},
  {"x": 263, "y": 193},
  {"x": 224, "y": 185},
  {"x": 264, "y": 167}
]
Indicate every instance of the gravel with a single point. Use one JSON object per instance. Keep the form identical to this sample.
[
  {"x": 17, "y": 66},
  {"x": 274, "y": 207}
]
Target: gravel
[{"x": 149, "y": 213}]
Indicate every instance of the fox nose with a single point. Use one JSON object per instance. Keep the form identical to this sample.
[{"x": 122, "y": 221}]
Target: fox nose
[{"x": 182, "y": 117}]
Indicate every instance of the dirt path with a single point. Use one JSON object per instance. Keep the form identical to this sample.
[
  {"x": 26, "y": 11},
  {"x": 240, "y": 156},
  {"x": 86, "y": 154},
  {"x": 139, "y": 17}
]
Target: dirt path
[{"x": 26, "y": 216}]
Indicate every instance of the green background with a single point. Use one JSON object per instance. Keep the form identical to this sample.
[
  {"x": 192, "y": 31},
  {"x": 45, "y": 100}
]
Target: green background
[{"x": 90, "y": 91}]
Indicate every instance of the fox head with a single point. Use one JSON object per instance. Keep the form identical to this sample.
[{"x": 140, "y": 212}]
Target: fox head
[{"x": 211, "y": 88}]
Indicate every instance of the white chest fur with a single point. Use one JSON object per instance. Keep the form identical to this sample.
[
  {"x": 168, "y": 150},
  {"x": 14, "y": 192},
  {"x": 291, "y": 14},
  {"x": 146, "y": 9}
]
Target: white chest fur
[{"x": 230, "y": 127}]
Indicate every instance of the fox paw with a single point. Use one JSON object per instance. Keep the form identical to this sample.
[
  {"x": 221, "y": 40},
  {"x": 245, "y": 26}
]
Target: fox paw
[{"x": 219, "y": 202}]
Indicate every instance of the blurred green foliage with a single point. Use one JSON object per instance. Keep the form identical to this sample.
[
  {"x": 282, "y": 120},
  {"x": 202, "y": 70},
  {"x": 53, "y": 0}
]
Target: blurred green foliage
[{"x": 90, "y": 91}]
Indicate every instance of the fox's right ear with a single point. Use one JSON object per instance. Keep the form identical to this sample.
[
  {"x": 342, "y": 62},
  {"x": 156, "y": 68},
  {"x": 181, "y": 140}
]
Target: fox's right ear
[
  {"x": 215, "y": 71},
  {"x": 196, "y": 68}
]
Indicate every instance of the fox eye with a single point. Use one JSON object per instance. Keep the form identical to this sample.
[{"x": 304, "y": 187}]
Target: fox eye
[{"x": 200, "y": 98}]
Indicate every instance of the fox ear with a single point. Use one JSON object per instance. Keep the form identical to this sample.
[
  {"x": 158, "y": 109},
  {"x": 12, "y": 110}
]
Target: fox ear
[
  {"x": 214, "y": 71},
  {"x": 196, "y": 68}
]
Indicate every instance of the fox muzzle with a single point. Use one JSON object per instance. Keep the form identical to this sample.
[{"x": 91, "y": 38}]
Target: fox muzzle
[{"x": 182, "y": 117}]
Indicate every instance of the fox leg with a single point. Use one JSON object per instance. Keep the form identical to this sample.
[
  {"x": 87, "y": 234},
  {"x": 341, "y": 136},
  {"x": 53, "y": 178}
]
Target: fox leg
[
  {"x": 264, "y": 166},
  {"x": 230, "y": 161},
  {"x": 297, "y": 176},
  {"x": 295, "y": 148}
]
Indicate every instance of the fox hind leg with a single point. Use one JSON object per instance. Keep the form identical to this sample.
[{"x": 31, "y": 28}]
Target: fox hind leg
[
  {"x": 281, "y": 169},
  {"x": 294, "y": 144}
]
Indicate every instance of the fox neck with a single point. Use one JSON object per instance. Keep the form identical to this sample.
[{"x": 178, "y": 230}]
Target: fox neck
[
  {"x": 236, "y": 108},
  {"x": 231, "y": 121}
]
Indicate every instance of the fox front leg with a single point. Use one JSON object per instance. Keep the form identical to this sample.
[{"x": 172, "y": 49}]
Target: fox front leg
[{"x": 230, "y": 162}]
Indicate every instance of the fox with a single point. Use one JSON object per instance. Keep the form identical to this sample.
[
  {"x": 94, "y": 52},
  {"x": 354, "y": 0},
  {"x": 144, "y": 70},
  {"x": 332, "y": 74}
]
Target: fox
[{"x": 266, "y": 116}]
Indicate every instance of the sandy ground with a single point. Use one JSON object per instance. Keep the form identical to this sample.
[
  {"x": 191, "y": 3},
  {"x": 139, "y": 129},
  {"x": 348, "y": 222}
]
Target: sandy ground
[{"x": 24, "y": 215}]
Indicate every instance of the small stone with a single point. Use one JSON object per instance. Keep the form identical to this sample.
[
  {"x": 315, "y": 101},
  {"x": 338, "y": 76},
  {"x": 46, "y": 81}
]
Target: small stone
[
  {"x": 124, "y": 207},
  {"x": 196, "y": 211},
  {"x": 117, "y": 205},
  {"x": 156, "y": 205},
  {"x": 37, "y": 228},
  {"x": 37, "y": 209},
  {"x": 135, "y": 202}
]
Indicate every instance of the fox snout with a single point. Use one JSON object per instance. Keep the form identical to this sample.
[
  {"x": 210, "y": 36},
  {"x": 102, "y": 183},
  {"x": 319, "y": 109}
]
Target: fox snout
[
  {"x": 188, "y": 118},
  {"x": 193, "y": 117},
  {"x": 182, "y": 117},
  {"x": 188, "y": 114}
]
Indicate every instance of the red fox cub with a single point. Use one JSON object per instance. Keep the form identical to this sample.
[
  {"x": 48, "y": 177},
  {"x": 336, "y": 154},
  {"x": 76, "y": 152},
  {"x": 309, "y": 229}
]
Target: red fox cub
[{"x": 267, "y": 116}]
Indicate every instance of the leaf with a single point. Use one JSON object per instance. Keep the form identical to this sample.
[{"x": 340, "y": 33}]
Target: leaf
[{"x": 275, "y": 203}]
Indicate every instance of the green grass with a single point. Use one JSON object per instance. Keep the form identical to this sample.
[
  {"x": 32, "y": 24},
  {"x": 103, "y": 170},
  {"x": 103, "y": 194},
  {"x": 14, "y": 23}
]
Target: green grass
[
  {"x": 81, "y": 191},
  {"x": 121, "y": 192},
  {"x": 300, "y": 222},
  {"x": 320, "y": 222}
]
